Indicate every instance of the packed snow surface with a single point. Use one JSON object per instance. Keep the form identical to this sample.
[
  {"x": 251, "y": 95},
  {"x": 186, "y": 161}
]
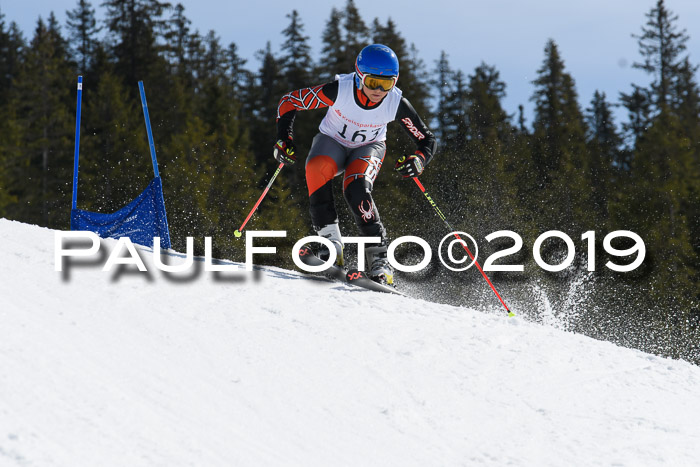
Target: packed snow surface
[{"x": 272, "y": 368}]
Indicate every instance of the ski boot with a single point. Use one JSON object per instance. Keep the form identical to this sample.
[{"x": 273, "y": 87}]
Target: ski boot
[
  {"x": 380, "y": 270},
  {"x": 331, "y": 232}
]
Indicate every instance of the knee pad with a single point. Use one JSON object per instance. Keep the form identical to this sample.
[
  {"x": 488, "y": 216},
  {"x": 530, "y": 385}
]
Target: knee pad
[
  {"x": 363, "y": 167},
  {"x": 358, "y": 195},
  {"x": 319, "y": 171}
]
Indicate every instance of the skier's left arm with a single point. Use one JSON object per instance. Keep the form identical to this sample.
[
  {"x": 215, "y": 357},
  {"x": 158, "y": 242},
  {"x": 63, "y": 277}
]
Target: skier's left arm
[{"x": 426, "y": 144}]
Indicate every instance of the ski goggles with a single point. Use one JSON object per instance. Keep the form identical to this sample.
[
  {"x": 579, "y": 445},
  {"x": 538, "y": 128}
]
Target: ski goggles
[{"x": 385, "y": 83}]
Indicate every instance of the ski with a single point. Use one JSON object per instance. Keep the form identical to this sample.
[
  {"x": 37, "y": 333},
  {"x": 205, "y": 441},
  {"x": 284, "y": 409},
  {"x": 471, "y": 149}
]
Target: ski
[
  {"x": 360, "y": 279},
  {"x": 351, "y": 277},
  {"x": 310, "y": 259}
]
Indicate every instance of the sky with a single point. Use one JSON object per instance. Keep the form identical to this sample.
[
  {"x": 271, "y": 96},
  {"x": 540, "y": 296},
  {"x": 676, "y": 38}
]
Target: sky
[{"x": 594, "y": 37}]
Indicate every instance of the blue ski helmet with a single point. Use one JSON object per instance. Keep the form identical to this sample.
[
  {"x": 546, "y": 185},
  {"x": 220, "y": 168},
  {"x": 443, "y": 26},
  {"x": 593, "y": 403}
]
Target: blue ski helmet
[{"x": 376, "y": 59}]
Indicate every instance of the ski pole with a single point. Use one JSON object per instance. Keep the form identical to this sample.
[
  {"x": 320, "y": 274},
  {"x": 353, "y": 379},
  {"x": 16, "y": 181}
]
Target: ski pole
[
  {"x": 464, "y": 244},
  {"x": 238, "y": 233}
]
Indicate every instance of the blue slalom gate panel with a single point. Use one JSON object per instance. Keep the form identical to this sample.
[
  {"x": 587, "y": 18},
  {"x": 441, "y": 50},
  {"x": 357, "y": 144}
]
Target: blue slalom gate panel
[{"x": 140, "y": 220}]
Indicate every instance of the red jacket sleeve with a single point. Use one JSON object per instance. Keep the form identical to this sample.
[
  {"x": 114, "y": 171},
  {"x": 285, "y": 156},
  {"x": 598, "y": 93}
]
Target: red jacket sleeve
[{"x": 317, "y": 97}]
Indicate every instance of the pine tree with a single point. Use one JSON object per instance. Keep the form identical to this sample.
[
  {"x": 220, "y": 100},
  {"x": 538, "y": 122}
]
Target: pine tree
[
  {"x": 238, "y": 77},
  {"x": 236, "y": 70},
  {"x": 522, "y": 128},
  {"x": 136, "y": 27},
  {"x": 458, "y": 113},
  {"x": 42, "y": 157},
  {"x": 657, "y": 209},
  {"x": 525, "y": 183},
  {"x": 356, "y": 36},
  {"x": 604, "y": 148},
  {"x": 211, "y": 171},
  {"x": 211, "y": 74},
  {"x": 665, "y": 167},
  {"x": 660, "y": 45},
  {"x": 559, "y": 149},
  {"x": 685, "y": 98},
  {"x": 177, "y": 39},
  {"x": 556, "y": 109},
  {"x": 686, "y": 104},
  {"x": 11, "y": 50},
  {"x": 452, "y": 142},
  {"x": 442, "y": 81},
  {"x": 59, "y": 42},
  {"x": 186, "y": 185},
  {"x": 82, "y": 27},
  {"x": 488, "y": 181},
  {"x": 296, "y": 53},
  {"x": 486, "y": 118},
  {"x": 115, "y": 163},
  {"x": 175, "y": 94},
  {"x": 333, "y": 50},
  {"x": 265, "y": 94},
  {"x": 12, "y": 44},
  {"x": 639, "y": 114}
]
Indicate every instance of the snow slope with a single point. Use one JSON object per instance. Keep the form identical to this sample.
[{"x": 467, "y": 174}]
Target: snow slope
[{"x": 270, "y": 369}]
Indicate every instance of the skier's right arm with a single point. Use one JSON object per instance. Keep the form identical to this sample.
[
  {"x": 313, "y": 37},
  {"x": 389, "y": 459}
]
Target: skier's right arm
[{"x": 317, "y": 97}]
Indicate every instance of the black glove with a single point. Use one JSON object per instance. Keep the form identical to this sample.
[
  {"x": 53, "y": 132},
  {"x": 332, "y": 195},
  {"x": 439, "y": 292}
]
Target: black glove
[
  {"x": 285, "y": 152},
  {"x": 410, "y": 166}
]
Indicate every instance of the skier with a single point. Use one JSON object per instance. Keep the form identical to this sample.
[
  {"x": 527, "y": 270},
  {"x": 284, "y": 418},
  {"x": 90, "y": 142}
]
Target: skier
[{"x": 351, "y": 142}]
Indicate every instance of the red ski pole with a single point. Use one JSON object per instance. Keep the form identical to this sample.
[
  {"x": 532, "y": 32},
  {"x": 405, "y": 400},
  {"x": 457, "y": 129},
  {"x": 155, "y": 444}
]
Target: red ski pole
[
  {"x": 238, "y": 233},
  {"x": 442, "y": 216}
]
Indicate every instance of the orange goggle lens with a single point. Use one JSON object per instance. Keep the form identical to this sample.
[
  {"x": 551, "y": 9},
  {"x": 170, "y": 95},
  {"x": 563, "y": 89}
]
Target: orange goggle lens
[{"x": 379, "y": 82}]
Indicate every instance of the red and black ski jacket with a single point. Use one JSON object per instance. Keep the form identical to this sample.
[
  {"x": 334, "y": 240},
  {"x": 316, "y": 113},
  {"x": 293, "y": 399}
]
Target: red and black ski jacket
[{"x": 324, "y": 95}]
